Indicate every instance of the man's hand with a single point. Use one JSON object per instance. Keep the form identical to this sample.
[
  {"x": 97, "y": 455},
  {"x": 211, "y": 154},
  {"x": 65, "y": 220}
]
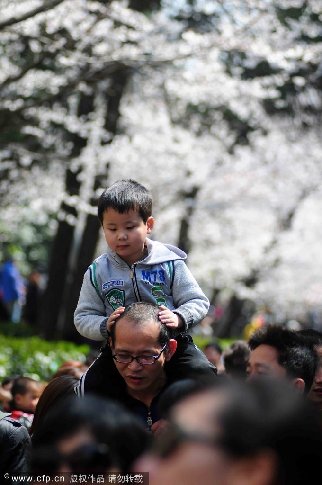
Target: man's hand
[
  {"x": 168, "y": 318},
  {"x": 114, "y": 316}
]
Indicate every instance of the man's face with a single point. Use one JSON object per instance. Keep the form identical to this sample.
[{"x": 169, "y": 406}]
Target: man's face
[
  {"x": 125, "y": 233},
  {"x": 140, "y": 340},
  {"x": 192, "y": 461},
  {"x": 263, "y": 362},
  {"x": 315, "y": 393}
]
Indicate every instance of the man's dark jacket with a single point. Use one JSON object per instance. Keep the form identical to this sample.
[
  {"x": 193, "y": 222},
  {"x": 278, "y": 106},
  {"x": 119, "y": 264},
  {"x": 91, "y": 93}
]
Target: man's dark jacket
[{"x": 15, "y": 445}]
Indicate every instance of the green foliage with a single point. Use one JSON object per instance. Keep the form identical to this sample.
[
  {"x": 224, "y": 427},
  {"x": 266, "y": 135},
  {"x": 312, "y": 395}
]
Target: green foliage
[
  {"x": 16, "y": 330},
  {"x": 202, "y": 341},
  {"x": 35, "y": 357}
]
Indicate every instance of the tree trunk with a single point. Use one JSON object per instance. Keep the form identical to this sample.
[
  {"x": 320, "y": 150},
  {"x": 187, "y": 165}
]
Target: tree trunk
[
  {"x": 90, "y": 234},
  {"x": 86, "y": 251},
  {"x": 184, "y": 240},
  {"x": 50, "y": 305}
]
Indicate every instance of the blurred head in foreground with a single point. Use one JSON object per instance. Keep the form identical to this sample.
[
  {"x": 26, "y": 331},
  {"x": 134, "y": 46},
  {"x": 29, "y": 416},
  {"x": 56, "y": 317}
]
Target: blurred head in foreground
[
  {"x": 88, "y": 435},
  {"x": 260, "y": 432}
]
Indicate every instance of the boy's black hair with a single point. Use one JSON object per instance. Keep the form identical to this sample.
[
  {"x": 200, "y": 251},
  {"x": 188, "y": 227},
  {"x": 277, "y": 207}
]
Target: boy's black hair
[
  {"x": 126, "y": 195},
  {"x": 20, "y": 386}
]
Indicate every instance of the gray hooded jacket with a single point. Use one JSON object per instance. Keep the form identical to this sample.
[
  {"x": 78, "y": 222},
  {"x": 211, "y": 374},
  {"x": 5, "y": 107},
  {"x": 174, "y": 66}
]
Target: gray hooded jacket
[{"x": 162, "y": 277}]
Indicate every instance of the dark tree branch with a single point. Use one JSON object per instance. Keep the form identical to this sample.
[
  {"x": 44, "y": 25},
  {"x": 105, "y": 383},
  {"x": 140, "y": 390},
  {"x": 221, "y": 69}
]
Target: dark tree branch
[{"x": 43, "y": 8}]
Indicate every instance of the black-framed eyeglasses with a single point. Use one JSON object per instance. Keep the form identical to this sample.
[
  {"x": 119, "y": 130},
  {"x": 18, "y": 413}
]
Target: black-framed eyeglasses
[{"x": 141, "y": 359}]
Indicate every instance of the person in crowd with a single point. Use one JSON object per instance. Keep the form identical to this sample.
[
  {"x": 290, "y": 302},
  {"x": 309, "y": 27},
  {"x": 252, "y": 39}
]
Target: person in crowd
[
  {"x": 12, "y": 289},
  {"x": 282, "y": 353},
  {"x": 140, "y": 346},
  {"x": 5, "y": 393},
  {"x": 232, "y": 432},
  {"x": 7, "y": 382},
  {"x": 5, "y": 398},
  {"x": 136, "y": 268},
  {"x": 74, "y": 368},
  {"x": 213, "y": 351},
  {"x": 315, "y": 393},
  {"x": 314, "y": 337},
  {"x": 89, "y": 435},
  {"x": 176, "y": 392},
  {"x": 57, "y": 389},
  {"x": 32, "y": 299},
  {"x": 4, "y": 314},
  {"x": 25, "y": 394},
  {"x": 235, "y": 359},
  {"x": 15, "y": 446}
]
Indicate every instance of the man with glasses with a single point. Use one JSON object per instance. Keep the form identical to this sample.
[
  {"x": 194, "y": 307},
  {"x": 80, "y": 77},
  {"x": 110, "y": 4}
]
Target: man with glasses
[
  {"x": 281, "y": 353},
  {"x": 140, "y": 346}
]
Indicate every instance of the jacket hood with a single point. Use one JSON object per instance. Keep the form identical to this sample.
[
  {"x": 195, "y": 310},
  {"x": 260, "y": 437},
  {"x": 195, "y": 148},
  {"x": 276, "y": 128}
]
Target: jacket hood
[{"x": 159, "y": 252}]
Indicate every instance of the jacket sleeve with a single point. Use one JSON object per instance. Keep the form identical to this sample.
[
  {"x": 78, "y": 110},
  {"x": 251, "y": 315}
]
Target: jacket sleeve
[
  {"x": 189, "y": 300},
  {"x": 90, "y": 314}
]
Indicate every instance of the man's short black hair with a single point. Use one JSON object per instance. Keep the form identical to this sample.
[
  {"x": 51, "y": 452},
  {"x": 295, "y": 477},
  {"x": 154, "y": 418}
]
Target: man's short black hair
[
  {"x": 140, "y": 313},
  {"x": 126, "y": 195},
  {"x": 294, "y": 352}
]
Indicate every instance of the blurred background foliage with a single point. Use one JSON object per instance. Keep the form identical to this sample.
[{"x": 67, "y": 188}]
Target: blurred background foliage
[{"x": 35, "y": 357}]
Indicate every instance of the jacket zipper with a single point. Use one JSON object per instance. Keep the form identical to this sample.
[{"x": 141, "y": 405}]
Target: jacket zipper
[
  {"x": 134, "y": 282},
  {"x": 149, "y": 420}
]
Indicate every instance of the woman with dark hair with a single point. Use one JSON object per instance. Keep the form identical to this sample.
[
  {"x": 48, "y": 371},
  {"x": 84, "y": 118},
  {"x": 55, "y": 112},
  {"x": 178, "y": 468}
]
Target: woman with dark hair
[
  {"x": 88, "y": 435},
  {"x": 56, "y": 390}
]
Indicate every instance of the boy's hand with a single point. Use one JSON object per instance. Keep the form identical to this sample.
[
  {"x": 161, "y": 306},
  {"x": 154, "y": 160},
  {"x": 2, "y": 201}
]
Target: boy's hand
[
  {"x": 170, "y": 319},
  {"x": 114, "y": 316}
]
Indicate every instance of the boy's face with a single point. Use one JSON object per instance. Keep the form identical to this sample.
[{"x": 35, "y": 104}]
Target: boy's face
[
  {"x": 27, "y": 402},
  {"x": 125, "y": 233}
]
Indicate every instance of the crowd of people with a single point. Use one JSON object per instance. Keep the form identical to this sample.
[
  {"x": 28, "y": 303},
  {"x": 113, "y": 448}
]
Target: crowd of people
[
  {"x": 257, "y": 422},
  {"x": 152, "y": 404}
]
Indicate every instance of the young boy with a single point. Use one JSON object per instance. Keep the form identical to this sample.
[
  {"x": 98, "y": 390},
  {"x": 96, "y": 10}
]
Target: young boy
[
  {"x": 25, "y": 395},
  {"x": 135, "y": 268}
]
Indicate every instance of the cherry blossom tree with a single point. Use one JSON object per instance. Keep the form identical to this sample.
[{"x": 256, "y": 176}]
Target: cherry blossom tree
[{"x": 215, "y": 106}]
